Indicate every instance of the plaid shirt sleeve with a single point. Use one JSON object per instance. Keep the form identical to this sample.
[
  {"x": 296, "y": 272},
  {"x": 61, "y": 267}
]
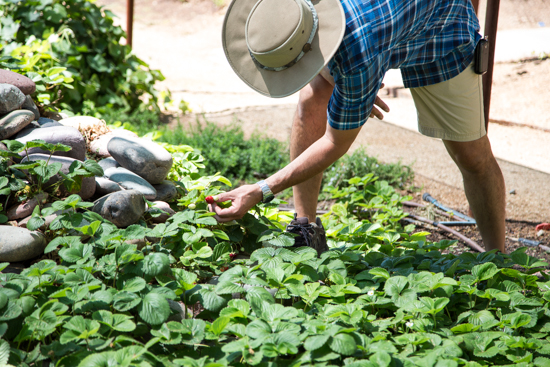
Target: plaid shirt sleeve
[{"x": 353, "y": 96}]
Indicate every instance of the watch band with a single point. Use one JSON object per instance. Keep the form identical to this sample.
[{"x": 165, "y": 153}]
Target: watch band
[{"x": 266, "y": 191}]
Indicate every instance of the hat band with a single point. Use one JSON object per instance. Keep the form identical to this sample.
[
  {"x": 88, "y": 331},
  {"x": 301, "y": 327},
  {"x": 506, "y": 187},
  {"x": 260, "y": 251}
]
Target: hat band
[{"x": 306, "y": 48}]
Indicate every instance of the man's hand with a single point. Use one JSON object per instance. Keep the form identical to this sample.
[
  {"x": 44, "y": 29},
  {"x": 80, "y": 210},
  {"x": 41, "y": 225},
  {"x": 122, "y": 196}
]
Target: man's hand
[
  {"x": 242, "y": 200},
  {"x": 378, "y": 102}
]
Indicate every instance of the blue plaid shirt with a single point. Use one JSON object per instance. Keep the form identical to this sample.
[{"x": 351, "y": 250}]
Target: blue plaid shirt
[{"x": 429, "y": 40}]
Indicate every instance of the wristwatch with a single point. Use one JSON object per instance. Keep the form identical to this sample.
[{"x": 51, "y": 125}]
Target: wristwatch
[{"x": 266, "y": 191}]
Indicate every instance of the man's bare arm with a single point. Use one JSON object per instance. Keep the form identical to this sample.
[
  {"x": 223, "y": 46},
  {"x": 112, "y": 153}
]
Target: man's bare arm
[{"x": 318, "y": 157}]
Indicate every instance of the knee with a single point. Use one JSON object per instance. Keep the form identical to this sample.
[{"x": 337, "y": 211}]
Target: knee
[
  {"x": 473, "y": 163},
  {"x": 472, "y": 157}
]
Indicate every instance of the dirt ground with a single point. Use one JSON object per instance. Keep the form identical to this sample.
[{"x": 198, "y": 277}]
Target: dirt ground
[{"x": 520, "y": 94}]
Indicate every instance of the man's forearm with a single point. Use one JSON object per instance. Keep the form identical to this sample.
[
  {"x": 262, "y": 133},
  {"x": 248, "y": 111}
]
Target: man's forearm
[{"x": 318, "y": 157}]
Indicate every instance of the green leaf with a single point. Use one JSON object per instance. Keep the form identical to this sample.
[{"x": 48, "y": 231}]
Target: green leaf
[
  {"x": 379, "y": 273},
  {"x": 133, "y": 285},
  {"x": 4, "y": 352},
  {"x": 316, "y": 341},
  {"x": 219, "y": 325},
  {"x": 228, "y": 288},
  {"x": 485, "y": 271},
  {"x": 344, "y": 344},
  {"x": 3, "y": 300},
  {"x": 62, "y": 241},
  {"x": 381, "y": 359},
  {"x": 395, "y": 285},
  {"x": 542, "y": 362},
  {"x": 123, "y": 323},
  {"x": 211, "y": 301},
  {"x": 125, "y": 301},
  {"x": 481, "y": 318},
  {"x": 10, "y": 312},
  {"x": 154, "y": 309},
  {"x": 155, "y": 264},
  {"x": 35, "y": 222}
]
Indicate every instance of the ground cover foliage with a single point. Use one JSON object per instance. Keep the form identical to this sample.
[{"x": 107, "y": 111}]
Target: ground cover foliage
[
  {"x": 382, "y": 296},
  {"x": 71, "y": 49},
  {"x": 226, "y": 151}
]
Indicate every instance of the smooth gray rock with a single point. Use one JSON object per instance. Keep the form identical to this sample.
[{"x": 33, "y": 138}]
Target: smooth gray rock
[
  {"x": 166, "y": 191},
  {"x": 108, "y": 163},
  {"x": 159, "y": 208},
  {"x": 104, "y": 186},
  {"x": 57, "y": 134},
  {"x": 87, "y": 189},
  {"x": 24, "y": 84},
  {"x": 29, "y": 105},
  {"x": 23, "y": 210},
  {"x": 46, "y": 122},
  {"x": 99, "y": 145},
  {"x": 11, "y": 98},
  {"x": 143, "y": 157},
  {"x": 122, "y": 208},
  {"x": 20, "y": 244},
  {"x": 14, "y": 122},
  {"x": 131, "y": 181}
]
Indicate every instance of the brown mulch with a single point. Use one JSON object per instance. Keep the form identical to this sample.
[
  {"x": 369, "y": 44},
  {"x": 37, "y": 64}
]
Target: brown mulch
[{"x": 514, "y": 228}]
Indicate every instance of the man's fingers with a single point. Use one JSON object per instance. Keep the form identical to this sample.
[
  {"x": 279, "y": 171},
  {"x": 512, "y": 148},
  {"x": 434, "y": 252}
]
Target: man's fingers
[
  {"x": 226, "y": 215},
  {"x": 376, "y": 113},
  {"x": 380, "y": 103}
]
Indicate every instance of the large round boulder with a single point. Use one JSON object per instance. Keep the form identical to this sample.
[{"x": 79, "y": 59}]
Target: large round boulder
[
  {"x": 98, "y": 146},
  {"x": 57, "y": 134},
  {"x": 20, "y": 244},
  {"x": 166, "y": 191},
  {"x": 122, "y": 208},
  {"x": 14, "y": 122},
  {"x": 104, "y": 186},
  {"x": 24, "y": 84},
  {"x": 11, "y": 98},
  {"x": 141, "y": 156},
  {"x": 31, "y": 106},
  {"x": 130, "y": 181}
]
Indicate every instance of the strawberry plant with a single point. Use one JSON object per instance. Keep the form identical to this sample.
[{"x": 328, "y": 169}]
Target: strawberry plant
[{"x": 381, "y": 296}]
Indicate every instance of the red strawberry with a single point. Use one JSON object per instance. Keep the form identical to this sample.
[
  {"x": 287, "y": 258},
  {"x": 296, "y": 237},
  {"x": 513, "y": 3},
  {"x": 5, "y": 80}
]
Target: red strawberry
[
  {"x": 210, "y": 200},
  {"x": 224, "y": 268},
  {"x": 232, "y": 255}
]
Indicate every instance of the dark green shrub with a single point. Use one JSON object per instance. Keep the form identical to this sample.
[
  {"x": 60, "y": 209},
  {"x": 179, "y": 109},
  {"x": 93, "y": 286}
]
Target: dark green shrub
[
  {"x": 80, "y": 36},
  {"x": 226, "y": 150}
]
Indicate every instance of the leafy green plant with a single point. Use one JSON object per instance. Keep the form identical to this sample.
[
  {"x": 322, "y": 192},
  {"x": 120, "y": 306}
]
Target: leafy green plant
[
  {"x": 30, "y": 59},
  {"x": 29, "y": 178},
  {"x": 359, "y": 164},
  {"x": 382, "y": 296},
  {"x": 79, "y": 36}
]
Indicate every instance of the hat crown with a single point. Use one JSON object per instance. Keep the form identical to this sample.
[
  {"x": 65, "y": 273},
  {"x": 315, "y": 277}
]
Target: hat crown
[
  {"x": 277, "y": 31},
  {"x": 271, "y": 23}
]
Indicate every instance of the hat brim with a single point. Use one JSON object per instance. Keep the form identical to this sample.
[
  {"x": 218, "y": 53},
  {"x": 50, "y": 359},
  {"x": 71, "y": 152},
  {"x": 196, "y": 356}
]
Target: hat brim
[{"x": 278, "y": 84}]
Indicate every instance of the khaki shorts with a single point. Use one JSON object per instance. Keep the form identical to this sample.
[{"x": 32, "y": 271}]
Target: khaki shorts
[
  {"x": 453, "y": 109},
  {"x": 450, "y": 110}
]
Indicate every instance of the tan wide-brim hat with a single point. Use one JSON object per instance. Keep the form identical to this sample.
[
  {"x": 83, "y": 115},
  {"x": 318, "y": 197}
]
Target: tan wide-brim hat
[{"x": 278, "y": 46}]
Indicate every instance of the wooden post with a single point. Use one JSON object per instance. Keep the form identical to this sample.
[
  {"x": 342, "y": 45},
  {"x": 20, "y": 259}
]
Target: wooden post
[
  {"x": 491, "y": 25},
  {"x": 129, "y": 21}
]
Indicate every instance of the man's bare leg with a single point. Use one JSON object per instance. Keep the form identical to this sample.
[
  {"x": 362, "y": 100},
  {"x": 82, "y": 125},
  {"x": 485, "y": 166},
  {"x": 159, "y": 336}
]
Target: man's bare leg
[
  {"x": 309, "y": 125},
  {"x": 484, "y": 187}
]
